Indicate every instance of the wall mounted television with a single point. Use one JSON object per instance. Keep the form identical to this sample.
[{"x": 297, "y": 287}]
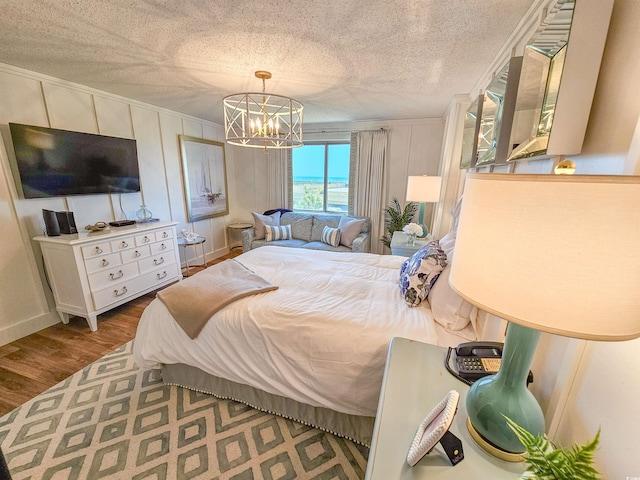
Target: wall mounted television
[{"x": 60, "y": 163}]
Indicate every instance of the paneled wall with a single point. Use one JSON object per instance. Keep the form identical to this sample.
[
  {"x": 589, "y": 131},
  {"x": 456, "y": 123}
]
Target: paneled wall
[{"x": 26, "y": 304}]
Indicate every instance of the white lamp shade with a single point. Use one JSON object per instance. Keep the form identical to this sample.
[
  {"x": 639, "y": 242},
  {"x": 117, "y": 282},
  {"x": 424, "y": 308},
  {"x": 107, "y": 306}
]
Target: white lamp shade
[
  {"x": 555, "y": 253},
  {"x": 423, "y": 189}
]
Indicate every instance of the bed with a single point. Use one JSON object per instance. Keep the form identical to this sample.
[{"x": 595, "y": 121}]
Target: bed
[{"x": 313, "y": 350}]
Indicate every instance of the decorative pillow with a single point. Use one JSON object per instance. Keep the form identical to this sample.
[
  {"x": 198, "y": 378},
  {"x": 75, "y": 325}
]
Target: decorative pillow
[
  {"x": 282, "y": 232},
  {"x": 259, "y": 222},
  {"x": 420, "y": 271},
  {"x": 331, "y": 236},
  {"x": 350, "y": 228},
  {"x": 449, "y": 309}
]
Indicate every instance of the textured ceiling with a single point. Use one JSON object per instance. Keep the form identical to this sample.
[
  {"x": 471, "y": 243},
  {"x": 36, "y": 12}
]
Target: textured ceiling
[{"x": 344, "y": 60}]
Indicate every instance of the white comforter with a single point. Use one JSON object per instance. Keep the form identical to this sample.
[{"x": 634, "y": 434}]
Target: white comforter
[{"x": 320, "y": 339}]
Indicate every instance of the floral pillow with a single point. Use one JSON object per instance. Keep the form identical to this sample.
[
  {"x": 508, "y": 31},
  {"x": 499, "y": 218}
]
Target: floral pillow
[{"x": 420, "y": 271}]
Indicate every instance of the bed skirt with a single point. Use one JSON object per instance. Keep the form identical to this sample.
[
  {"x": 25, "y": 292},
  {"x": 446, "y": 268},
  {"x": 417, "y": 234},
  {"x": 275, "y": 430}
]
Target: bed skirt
[{"x": 354, "y": 427}]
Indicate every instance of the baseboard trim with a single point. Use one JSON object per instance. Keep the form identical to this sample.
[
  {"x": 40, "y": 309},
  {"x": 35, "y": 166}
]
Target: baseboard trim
[{"x": 26, "y": 327}]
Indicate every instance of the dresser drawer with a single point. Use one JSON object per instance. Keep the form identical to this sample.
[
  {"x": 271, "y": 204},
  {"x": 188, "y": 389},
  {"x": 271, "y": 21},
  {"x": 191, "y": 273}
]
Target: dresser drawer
[
  {"x": 96, "y": 249},
  {"x": 102, "y": 262},
  {"x": 112, "y": 276},
  {"x": 131, "y": 288},
  {"x": 164, "y": 234},
  {"x": 156, "y": 261},
  {"x": 145, "y": 239},
  {"x": 162, "y": 274},
  {"x": 122, "y": 244},
  {"x": 134, "y": 254},
  {"x": 161, "y": 247}
]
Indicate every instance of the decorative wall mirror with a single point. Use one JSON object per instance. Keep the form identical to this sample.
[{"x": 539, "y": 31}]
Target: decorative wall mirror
[
  {"x": 470, "y": 134},
  {"x": 497, "y": 114},
  {"x": 558, "y": 78}
]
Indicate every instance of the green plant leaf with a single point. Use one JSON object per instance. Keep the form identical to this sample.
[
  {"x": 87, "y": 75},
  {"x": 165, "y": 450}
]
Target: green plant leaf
[
  {"x": 547, "y": 462},
  {"x": 397, "y": 217}
]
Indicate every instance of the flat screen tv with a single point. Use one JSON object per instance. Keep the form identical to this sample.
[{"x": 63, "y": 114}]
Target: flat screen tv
[{"x": 60, "y": 163}]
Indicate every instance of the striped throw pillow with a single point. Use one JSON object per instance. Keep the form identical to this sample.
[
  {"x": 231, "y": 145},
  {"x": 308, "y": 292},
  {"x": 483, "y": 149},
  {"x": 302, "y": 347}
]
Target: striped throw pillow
[
  {"x": 271, "y": 233},
  {"x": 330, "y": 236}
]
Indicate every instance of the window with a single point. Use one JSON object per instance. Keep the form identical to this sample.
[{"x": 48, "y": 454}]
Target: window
[{"x": 321, "y": 177}]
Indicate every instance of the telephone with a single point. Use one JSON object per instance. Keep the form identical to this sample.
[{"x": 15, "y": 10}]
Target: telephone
[{"x": 475, "y": 360}]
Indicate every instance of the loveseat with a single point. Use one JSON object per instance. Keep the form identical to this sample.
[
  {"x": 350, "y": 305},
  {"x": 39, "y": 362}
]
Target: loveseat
[{"x": 307, "y": 229}]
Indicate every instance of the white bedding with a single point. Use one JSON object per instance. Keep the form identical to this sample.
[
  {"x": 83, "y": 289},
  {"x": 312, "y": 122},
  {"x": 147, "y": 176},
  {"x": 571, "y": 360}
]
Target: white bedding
[{"x": 320, "y": 339}]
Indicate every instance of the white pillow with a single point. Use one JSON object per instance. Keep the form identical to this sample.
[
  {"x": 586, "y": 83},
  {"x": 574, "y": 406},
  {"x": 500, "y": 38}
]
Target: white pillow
[
  {"x": 448, "y": 308},
  {"x": 349, "y": 229},
  {"x": 447, "y": 243}
]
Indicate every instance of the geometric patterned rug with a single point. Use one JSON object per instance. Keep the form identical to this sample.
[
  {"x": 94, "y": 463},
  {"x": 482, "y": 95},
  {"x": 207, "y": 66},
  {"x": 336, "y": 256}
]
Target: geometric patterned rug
[{"x": 113, "y": 420}]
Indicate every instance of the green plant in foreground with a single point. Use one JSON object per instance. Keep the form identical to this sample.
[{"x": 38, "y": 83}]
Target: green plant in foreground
[
  {"x": 548, "y": 463},
  {"x": 397, "y": 217}
]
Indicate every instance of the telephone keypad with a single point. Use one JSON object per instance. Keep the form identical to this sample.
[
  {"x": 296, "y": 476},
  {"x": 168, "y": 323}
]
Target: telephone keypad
[{"x": 477, "y": 364}]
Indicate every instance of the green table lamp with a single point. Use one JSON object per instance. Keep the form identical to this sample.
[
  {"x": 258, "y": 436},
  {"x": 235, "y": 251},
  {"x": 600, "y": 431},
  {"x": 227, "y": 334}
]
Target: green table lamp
[{"x": 548, "y": 253}]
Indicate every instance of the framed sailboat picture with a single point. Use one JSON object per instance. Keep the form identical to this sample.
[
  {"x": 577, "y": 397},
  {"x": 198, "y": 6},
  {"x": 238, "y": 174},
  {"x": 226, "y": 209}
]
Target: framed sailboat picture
[{"x": 204, "y": 176}]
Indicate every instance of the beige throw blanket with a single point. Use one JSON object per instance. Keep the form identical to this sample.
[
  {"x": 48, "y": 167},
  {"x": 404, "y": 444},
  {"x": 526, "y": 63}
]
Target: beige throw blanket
[{"x": 193, "y": 301}]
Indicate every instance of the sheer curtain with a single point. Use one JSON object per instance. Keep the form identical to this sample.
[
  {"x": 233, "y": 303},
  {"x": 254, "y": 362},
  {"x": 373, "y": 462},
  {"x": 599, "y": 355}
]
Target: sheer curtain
[
  {"x": 368, "y": 157},
  {"x": 278, "y": 185}
]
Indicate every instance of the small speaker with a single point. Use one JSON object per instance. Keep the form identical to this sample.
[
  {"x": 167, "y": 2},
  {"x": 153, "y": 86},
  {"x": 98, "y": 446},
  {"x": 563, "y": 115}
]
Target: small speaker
[
  {"x": 66, "y": 222},
  {"x": 51, "y": 223}
]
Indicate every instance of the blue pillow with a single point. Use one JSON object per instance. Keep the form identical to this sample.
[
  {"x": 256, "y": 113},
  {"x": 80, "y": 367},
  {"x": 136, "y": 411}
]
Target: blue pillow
[
  {"x": 282, "y": 232},
  {"x": 330, "y": 236},
  {"x": 420, "y": 271}
]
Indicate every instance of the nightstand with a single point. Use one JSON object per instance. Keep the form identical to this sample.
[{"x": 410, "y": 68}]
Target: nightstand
[
  {"x": 415, "y": 381},
  {"x": 399, "y": 244}
]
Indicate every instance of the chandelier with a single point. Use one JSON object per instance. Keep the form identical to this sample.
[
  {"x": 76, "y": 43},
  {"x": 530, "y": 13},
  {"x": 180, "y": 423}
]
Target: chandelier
[{"x": 262, "y": 120}]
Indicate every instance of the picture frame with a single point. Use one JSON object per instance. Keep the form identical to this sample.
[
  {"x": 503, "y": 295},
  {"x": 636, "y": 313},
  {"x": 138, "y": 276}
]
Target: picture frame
[{"x": 204, "y": 177}]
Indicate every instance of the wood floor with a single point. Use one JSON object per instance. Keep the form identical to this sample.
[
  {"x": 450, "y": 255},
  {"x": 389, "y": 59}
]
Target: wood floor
[{"x": 33, "y": 364}]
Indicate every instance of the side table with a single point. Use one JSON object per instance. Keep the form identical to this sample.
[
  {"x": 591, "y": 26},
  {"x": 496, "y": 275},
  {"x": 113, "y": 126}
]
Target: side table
[
  {"x": 416, "y": 380},
  {"x": 399, "y": 244},
  {"x": 238, "y": 226},
  {"x": 184, "y": 243}
]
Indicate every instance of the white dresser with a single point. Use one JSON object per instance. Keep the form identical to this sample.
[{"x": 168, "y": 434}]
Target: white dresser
[{"x": 90, "y": 273}]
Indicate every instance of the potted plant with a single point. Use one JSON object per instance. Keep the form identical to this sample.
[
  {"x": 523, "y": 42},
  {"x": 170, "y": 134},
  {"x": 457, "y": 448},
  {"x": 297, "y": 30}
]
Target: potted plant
[
  {"x": 396, "y": 218},
  {"x": 546, "y": 462}
]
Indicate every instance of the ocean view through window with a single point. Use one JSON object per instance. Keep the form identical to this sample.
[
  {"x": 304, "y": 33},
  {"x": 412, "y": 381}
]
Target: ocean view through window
[{"x": 321, "y": 177}]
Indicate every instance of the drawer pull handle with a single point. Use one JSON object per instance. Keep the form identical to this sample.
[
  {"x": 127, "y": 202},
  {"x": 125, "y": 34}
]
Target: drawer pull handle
[
  {"x": 104, "y": 263},
  {"x": 122, "y": 291},
  {"x": 115, "y": 276},
  {"x": 163, "y": 246},
  {"x": 161, "y": 276},
  {"x": 98, "y": 251},
  {"x": 145, "y": 239},
  {"x": 165, "y": 234},
  {"x": 136, "y": 254},
  {"x": 124, "y": 244},
  {"x": 158, "y": 262}
]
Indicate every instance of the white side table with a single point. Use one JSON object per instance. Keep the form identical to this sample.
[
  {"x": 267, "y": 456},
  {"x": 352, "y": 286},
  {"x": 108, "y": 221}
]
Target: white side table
[
  {"x": 184, "y": 243},
  {"x": 399, "y": 244},
  {"x": 415, "y": 380}
]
